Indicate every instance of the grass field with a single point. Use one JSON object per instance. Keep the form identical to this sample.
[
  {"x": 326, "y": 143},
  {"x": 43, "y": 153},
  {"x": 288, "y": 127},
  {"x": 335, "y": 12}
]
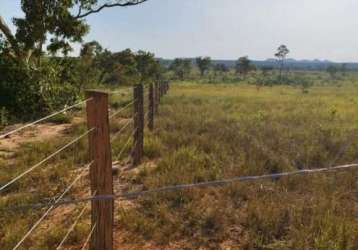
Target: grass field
[{"x": 208, "y": 132}]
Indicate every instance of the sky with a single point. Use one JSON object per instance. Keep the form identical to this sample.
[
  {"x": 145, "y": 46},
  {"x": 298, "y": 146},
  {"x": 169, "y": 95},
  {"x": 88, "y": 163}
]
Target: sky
[{"x": 227, "y": 29}]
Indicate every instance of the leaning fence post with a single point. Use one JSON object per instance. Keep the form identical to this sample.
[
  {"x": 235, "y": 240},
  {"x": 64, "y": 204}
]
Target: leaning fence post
[
  {"x": 138, "y": 118},
  {"x": 151, "y": 107},
  {"x": 100, "y": 170}
]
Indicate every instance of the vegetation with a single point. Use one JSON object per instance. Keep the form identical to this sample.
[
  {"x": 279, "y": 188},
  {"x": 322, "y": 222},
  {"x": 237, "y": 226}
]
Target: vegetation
[
  {"x": 281, "y": 54},
  {"x": 203, "y": 64},
  {"x": 244, "y": 66},
  {"x": 35, "y": 80},
  {"x": 237, "y": 131},
  {"x": 181, "y": 68}
]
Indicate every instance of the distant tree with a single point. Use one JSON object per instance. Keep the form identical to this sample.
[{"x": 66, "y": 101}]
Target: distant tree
[
  {"x": 148, "y": 68},
  {"x": 243, "y": 66},
  {"x": 281, "y": 54},
  {"x": 332, "y": 71},
  {"x": 118, "y": 68},
  {"x": 181, "y": 67},
  {"x": 203, "y": 64}
]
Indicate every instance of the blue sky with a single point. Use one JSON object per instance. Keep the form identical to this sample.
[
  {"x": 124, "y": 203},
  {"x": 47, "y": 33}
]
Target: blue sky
[{"x": 227, "y": 29}]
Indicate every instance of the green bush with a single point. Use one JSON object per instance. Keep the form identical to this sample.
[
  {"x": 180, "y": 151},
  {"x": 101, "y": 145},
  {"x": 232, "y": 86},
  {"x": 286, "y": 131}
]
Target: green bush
[{"x": 29, "y": 93}]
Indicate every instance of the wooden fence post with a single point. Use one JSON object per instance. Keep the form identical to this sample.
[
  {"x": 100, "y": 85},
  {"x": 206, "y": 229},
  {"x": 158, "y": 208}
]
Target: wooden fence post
[
  {"x": 138, "y": 117},
  {"x": 151, "y": 107},
  {"x": 100, "y": 170}
]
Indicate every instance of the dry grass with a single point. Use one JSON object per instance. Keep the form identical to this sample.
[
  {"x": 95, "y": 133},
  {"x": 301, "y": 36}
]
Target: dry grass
[{"x": 209, "y": 132}]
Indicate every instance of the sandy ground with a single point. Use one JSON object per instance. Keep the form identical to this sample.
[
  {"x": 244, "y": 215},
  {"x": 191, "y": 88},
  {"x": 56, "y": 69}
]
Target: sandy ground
[{"x": 31, "y": 134}]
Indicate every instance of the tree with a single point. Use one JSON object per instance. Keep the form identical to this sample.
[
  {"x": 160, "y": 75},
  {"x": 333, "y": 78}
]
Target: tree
[
  {"x": 203, "y": 64},
  {"x": 32, "y": 83},
  {"x": 281, "y": 54},
  {"x": 63, "y": 21},
  {"x": 243, "y": 66},
  {"x": 181, "y": 67},
  {"x": 148, "y": 68}
]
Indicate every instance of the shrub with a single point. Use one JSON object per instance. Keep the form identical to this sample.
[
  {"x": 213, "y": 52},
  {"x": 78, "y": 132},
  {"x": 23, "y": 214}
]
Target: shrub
[{"x": 30, "y": 93}]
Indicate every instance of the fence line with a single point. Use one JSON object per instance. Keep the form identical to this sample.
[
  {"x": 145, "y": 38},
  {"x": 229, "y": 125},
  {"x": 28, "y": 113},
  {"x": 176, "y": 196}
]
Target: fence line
[
  {"x": 44, "y": 118},
  {"x": 46, "y": 159},
  {"x": 100, "y": 154}
]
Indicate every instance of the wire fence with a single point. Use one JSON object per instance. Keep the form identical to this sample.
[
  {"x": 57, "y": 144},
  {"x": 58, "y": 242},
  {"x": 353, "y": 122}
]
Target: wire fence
[
  {"x": 97, "y": 117},
  {"x": 143, "y": 106}
]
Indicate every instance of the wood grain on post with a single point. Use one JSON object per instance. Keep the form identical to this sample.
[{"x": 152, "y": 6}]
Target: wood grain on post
[
  {"x": 100, "y": 170},
  {"x": 138, "y": 118},
  {"x": 151, "y": 107}
]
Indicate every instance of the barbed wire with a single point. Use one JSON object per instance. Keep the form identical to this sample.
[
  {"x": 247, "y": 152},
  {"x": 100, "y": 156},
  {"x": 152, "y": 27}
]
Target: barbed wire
[
  {"x": 52, "y": 206},
  {"x": 44, "y": 118},
  {"x": 46, "y": 159},
  {"x": 136, "y": 194}
]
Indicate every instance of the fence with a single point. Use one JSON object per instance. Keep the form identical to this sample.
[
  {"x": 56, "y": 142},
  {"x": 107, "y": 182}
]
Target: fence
[{"x": 100, "y": 164}]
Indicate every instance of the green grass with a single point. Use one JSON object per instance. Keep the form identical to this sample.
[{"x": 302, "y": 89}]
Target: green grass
[{"x": 209, "y": 132}]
